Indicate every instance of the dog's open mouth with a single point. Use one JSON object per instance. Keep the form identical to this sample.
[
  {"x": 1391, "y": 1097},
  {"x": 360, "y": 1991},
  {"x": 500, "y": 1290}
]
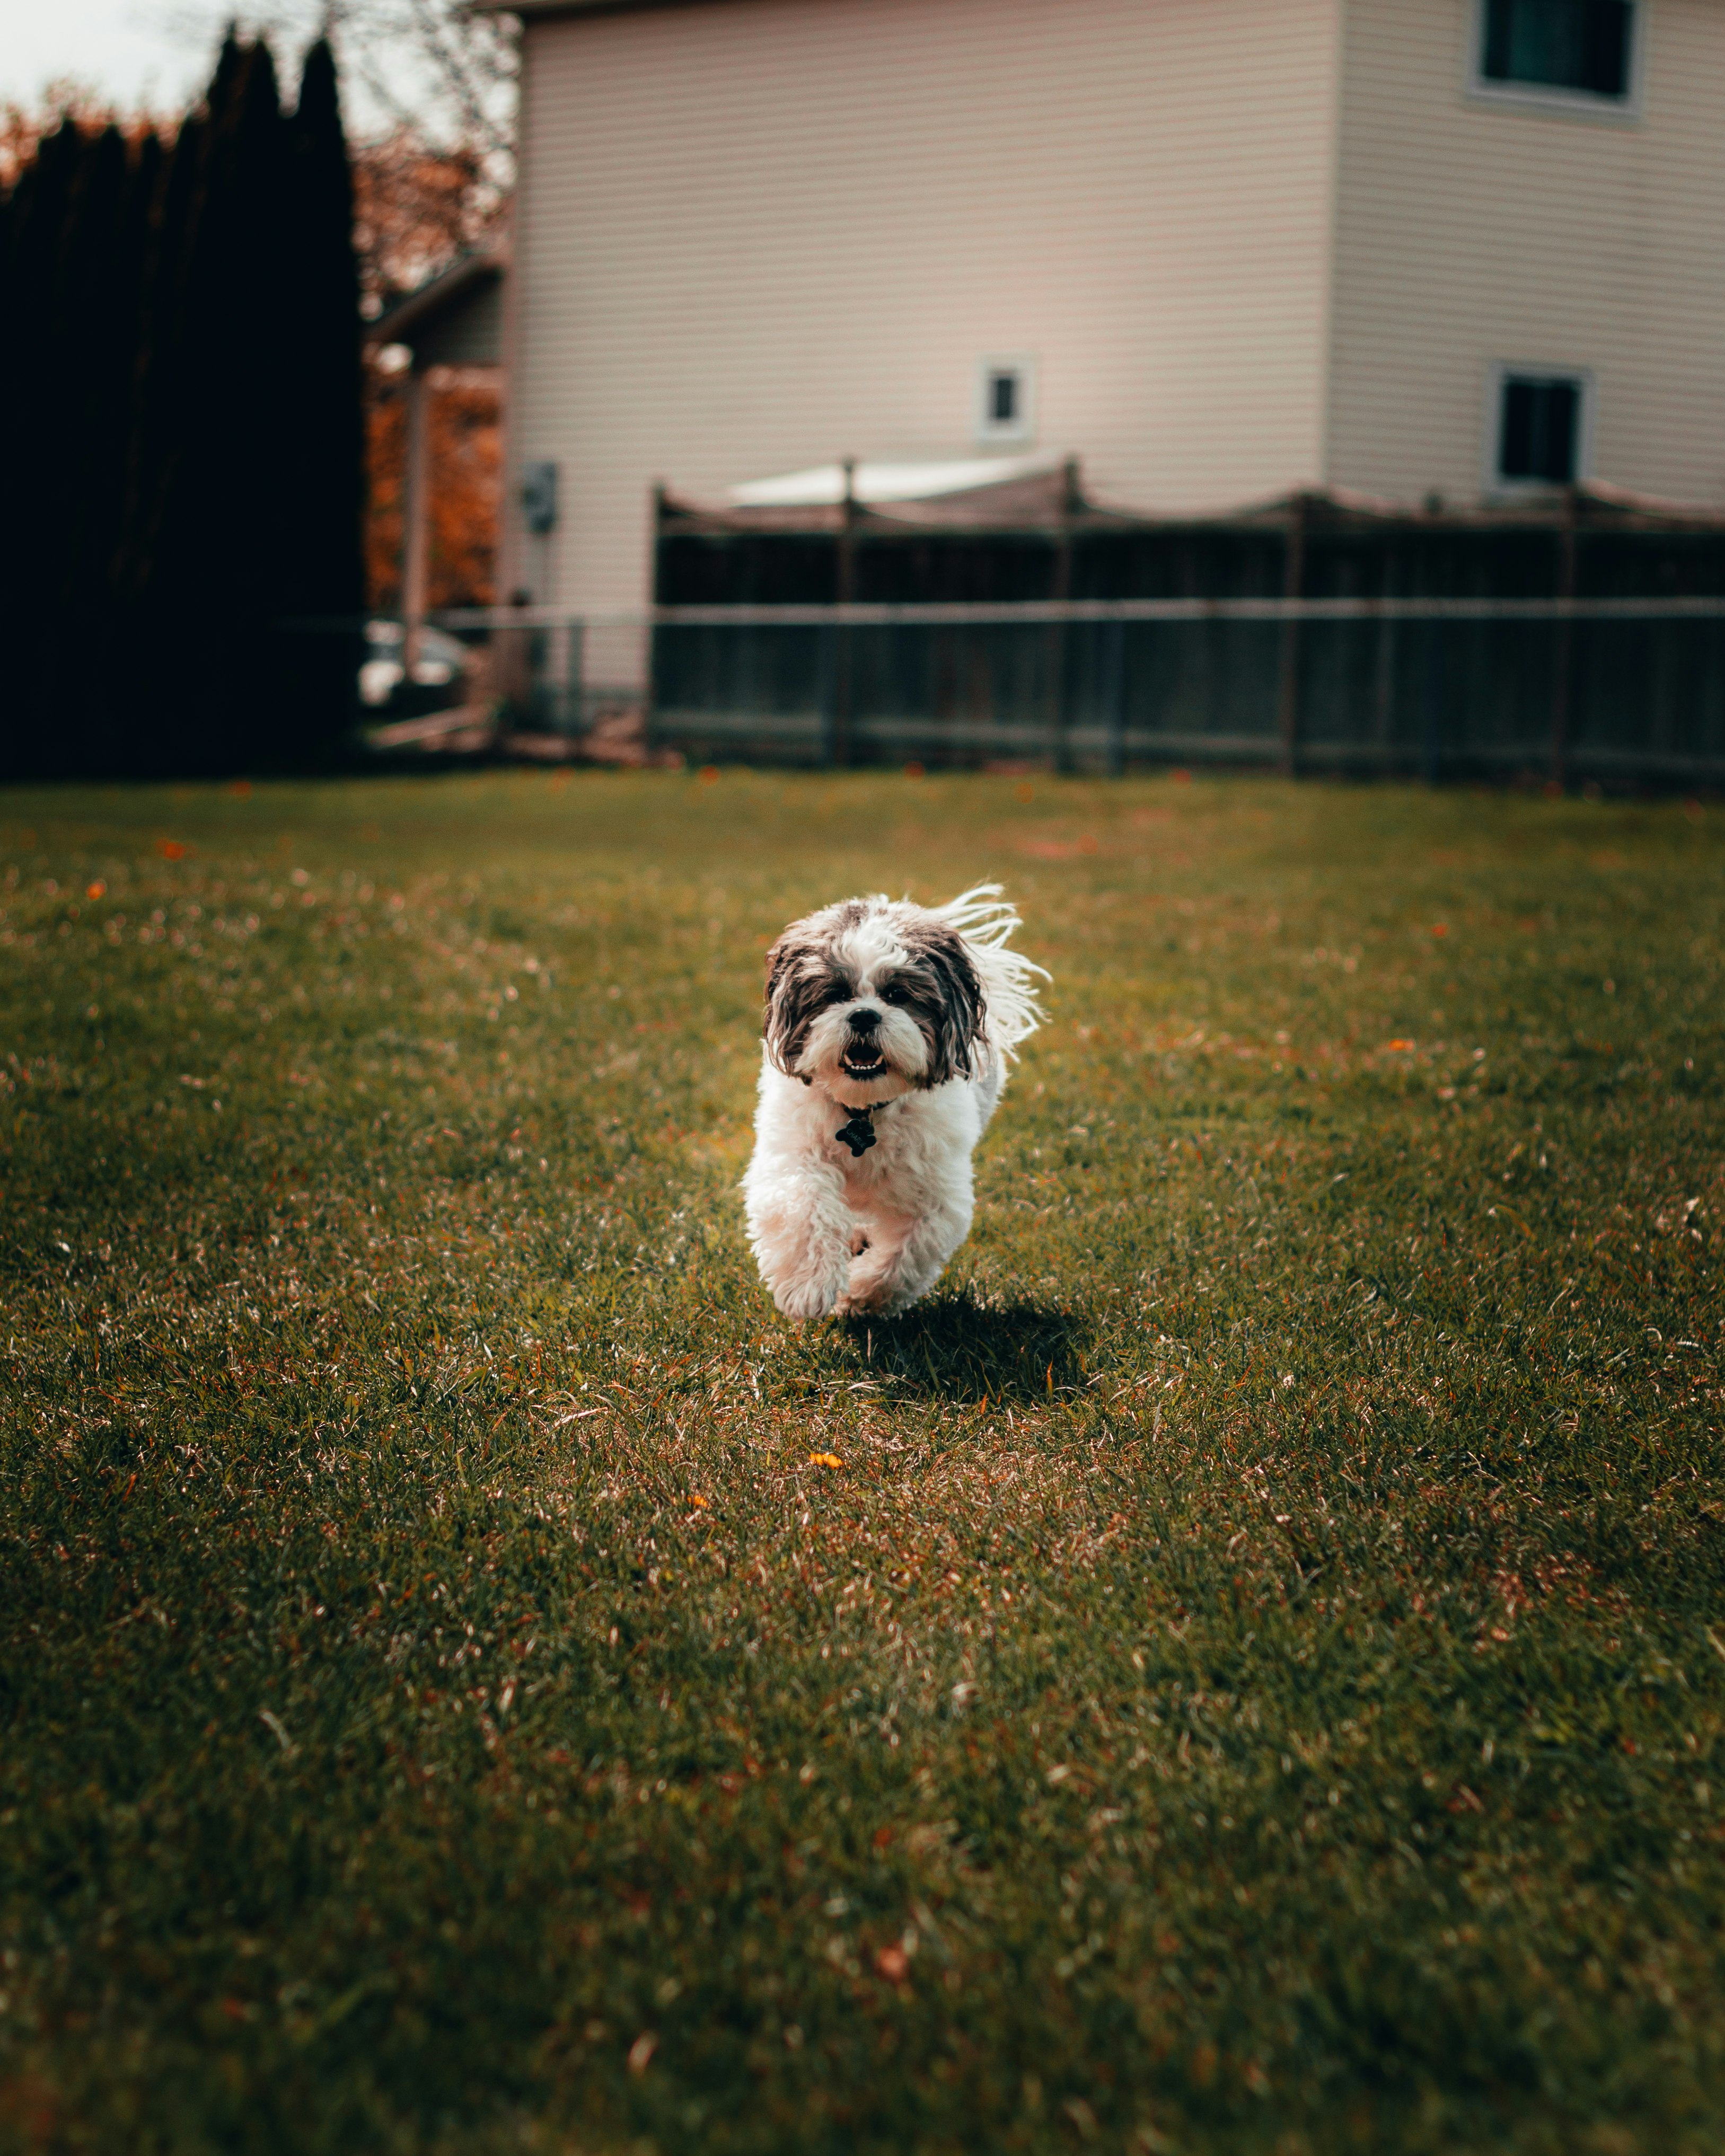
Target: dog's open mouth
[{"x": 864, "y": 1062}]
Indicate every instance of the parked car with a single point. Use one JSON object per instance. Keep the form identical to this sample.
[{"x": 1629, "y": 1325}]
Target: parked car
[{"x": 384, "y": 683}]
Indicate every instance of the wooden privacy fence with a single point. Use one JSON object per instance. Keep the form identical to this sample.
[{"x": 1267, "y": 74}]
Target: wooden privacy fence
[
  {"x": 1577, "y": 636},
  {"x": 1631, "y": 690}
]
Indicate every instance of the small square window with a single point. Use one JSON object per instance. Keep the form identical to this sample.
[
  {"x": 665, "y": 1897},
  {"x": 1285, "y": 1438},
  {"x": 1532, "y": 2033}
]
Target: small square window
[
  {"x": 1006, "y": 399},
  {"x": 1575, "y": 52},
  {"x": 1541, "y": 427}
]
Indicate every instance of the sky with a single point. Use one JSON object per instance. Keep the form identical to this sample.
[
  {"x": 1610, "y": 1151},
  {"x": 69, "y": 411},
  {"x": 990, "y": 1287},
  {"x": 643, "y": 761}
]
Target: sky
[
  {"x": 132, "y": 51},
  {"x": 155, "y": 53}
]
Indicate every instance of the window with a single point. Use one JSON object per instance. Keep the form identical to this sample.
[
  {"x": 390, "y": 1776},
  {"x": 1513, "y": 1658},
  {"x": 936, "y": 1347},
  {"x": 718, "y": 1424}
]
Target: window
[
  {"x": 1006, "y": 399},
  {"x": 1575, "y": 53},
  {"x": 1540, "y": 425}
]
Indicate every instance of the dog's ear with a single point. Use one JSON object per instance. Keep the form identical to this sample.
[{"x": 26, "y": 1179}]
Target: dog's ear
[
  {"x": 954, "y": 997},
  {"x": 797, "y": 984}
]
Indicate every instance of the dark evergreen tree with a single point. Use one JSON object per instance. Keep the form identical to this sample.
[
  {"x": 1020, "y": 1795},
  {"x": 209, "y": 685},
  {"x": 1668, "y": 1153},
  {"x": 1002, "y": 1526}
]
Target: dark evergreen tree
[
  {"x": 183, "y": 437},
  {"x": 159, "y": 402},
  {"x": 94, "y": 314},
  {"x": 323, "y": 562},
  {"x": 207, "y": 592},
  {"x": 43, "y": 237},
  {"x": 97, "y": 576}
]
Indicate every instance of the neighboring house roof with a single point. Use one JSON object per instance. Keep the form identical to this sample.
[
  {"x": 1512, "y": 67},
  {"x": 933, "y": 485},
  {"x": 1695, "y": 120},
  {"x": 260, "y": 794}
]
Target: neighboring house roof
[{"x": 455, "y": 318}]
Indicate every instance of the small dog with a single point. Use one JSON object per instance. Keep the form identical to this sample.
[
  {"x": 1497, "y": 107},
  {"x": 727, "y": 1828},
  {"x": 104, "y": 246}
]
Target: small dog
[{"x": 888, "y": 1028}]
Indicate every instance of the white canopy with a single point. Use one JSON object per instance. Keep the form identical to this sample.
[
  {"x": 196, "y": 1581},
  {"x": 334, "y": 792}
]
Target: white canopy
[{"x": 822, "y": 485}]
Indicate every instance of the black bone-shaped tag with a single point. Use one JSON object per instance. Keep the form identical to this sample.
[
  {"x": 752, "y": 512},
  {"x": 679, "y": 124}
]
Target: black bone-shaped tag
[{"x": 859, "y": 1133}]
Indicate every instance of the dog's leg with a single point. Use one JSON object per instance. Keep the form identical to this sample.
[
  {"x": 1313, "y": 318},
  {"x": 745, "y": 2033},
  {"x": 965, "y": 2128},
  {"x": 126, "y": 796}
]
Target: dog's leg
[
  {"x": 874, "y": 1252},
  {"x": 923, "y": 1256},
  {"x": 801, "y": 1230},
  {"x": 906, "y": 1257}
]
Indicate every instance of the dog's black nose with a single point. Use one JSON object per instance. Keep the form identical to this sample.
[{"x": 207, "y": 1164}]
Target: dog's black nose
[{"x": 865, "y": 1021}]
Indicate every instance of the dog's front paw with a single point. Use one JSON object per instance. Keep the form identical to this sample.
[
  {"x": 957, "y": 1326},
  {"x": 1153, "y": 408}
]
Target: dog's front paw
[{"x": 804, "y": 1299}]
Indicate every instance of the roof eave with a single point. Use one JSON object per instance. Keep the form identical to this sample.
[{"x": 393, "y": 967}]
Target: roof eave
[{"x": 396, "y": 324}]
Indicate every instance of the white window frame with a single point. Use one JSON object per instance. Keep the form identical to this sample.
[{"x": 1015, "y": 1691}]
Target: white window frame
[
  {"x": 1555, "y": 103},
  {"x": 1527, "y": 370},
  {"x": 987, "y": 428}
]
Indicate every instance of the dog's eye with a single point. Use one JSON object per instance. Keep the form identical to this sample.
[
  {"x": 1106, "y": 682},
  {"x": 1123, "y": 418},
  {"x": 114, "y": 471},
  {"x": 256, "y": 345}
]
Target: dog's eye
[{"x": 893, "y": 993}]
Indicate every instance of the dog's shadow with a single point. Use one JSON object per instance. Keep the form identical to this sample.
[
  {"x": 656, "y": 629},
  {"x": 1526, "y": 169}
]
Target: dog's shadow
[{"x": 955, "y": 1347}]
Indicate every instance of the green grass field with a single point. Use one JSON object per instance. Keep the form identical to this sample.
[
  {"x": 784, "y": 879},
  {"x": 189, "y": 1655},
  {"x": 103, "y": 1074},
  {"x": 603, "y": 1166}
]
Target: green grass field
[{"x": 1254, "y": 1679}]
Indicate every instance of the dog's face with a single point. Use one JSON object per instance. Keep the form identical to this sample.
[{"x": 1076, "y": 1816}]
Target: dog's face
[{"x": 869, "y": 1000}]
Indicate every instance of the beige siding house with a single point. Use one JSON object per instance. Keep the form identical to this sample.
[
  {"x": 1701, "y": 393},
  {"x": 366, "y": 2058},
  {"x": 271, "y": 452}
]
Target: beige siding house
[
  {"x": 1217, "y": 250},
  {"x": 1483, "y": 227}
]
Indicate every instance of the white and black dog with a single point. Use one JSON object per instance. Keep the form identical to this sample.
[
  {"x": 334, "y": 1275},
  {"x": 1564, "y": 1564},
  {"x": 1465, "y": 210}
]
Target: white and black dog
[{"x": 888, "y": 1028}]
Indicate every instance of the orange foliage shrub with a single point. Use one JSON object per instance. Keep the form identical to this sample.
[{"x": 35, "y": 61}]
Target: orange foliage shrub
[
  {"x": 418, "y": 205},
  {"x": 466, "y": 454}
]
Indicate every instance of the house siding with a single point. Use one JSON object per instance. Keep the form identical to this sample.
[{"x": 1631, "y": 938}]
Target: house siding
[
  {"x": 764, "y": 233},
  {"x": 1469, "y": 233}
]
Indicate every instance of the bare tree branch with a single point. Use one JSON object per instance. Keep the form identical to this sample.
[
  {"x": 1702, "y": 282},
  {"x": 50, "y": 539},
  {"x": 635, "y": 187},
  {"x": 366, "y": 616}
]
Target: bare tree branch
[{"x": 437, "y": 66}]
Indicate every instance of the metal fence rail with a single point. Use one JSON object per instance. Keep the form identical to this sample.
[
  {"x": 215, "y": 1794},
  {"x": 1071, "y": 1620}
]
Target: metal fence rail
[{"x": 1629, "y": 688}]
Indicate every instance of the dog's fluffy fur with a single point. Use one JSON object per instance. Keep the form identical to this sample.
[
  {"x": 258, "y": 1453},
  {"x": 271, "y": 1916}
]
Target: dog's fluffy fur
[{"x": 911, "y": 1012}]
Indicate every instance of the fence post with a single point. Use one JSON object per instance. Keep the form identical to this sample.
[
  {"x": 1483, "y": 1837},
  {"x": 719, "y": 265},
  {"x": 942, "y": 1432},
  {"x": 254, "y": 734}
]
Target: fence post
[
  {"x": 1293, "y": 585},
  {"x": 1058, "y": 717},
  {"x": 573, "y": 719},
  {"x": 1563, "y": 688},
  {"x": 649, "y": 696},
  {"x": 1113, "y": 686},
  {"x": 1432, "y": 745},
  {"x": 843, "y": 654},
  {"x": 826, "y": 675},
  {"x": 416, "y": 516},
  {"x": 1389, "y": 641},
  {"x": 512, "y": 666}
]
